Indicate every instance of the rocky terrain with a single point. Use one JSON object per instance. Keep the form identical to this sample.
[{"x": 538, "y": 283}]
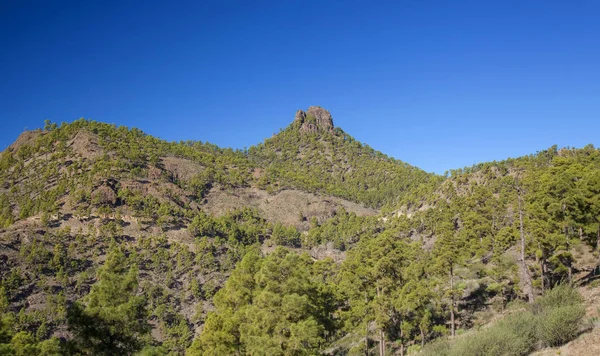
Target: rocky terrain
[{"x": 185, "y": 247}]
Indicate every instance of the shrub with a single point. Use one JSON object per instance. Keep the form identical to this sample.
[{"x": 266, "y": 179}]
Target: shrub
[
  {"x": 560, "y": 296},
  {"x": 560, "y": 325},
  {"x": 559, "y": 315},
  {"x": 521, "y": 324},
  {"x": 513, "y": 336},
  {"x": 438, "y": 347},
  {"x": 509, "y": 337}
]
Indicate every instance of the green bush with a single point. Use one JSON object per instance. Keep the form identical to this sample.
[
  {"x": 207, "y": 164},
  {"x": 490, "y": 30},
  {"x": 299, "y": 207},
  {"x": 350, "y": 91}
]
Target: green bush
[
  {"x": 512, "y": 336},
  {"x": 438, "y": 347},
  {"x": 489, "y": 343},
  {"x": 521, "y": 324},
  {"x": 554, "y": 320},
  {"x": 560, "y": 325},
  {"x": 560, "y": 296},
  {"x": 559, "y": 314}
]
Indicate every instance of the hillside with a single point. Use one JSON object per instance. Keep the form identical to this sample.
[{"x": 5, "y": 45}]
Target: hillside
[
  {"x": 316, "y": 156},
  {"x": 113, "y": 241}
]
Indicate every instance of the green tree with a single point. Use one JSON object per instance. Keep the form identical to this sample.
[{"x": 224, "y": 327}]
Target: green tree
[
  {"x": 111, "y": 319},
  {"x": 269, "y": 306},
  {"x": 449, "y": 253},
  {"x": 370, "y": 279}
]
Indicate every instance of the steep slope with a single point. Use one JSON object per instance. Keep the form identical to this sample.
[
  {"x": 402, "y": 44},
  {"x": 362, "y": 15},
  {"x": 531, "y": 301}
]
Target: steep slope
[{"x": 313, "y": 155}]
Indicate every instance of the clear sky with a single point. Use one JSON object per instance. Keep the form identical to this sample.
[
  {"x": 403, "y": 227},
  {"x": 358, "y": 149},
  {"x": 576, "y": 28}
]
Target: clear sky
[{"x": 438, "y": 84}]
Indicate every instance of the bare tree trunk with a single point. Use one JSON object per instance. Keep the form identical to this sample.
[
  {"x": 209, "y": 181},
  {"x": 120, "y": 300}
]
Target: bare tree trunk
[
  {"x": 543, "y": 275},
  {"x": 366, "y": 329},
  {"x": 367, "y": 340},
  {"x": 381, "y": 343},
  {"x": 525, "y": 277},
  {"x": 422, "y": 337},
  {"x": 381, "y": 332},
  {"x": 401, "y": 340},
  {"x": 568, "y": 248},
  {"x": 452, "y": 324},
  {"x": 598, "y": 246}
]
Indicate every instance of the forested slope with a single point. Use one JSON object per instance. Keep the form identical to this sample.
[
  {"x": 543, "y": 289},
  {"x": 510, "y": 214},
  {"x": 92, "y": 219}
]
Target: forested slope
[
  {"x": 115, "y": 242},
  {"x": 313, "y": 155}
]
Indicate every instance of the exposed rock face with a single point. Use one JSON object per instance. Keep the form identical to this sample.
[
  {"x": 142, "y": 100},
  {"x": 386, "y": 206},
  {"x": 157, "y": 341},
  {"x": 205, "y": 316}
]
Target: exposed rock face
[
  {"x": 104, "y": 195},
  {"x": 300, "y": 116},
  {"x": 25, "y": 138},
  {"x": 315, "y": 119}
]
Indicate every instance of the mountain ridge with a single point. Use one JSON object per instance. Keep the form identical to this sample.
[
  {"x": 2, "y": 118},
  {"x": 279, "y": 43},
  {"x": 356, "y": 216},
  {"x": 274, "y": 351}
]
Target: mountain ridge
[{"x": 209, "y": 227}]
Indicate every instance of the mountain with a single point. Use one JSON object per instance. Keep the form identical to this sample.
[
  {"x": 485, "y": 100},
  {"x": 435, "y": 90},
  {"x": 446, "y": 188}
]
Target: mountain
[
  {"x": 313, "y": 155},
  {"x": 116, "y": 242}
]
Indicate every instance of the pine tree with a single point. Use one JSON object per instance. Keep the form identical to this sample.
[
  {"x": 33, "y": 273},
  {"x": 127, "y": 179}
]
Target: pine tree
[{"x": 111, "y": 319}]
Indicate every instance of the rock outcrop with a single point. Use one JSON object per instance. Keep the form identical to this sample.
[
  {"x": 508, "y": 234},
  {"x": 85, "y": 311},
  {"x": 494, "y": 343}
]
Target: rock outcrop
[{"x": 315, "y": 119}]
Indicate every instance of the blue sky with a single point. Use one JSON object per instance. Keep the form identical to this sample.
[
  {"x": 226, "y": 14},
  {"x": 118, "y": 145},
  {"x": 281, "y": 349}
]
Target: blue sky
[{"x": 438, "y": 84}]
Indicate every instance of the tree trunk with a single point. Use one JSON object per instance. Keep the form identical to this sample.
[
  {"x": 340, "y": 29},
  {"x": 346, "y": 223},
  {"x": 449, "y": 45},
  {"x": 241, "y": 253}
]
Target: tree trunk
[
  {"x": 366, "y": 329},
  {"x": 401, "y": 340},
  {"x": 381, "y": 343},
  {"x": 598, "y": 246},
  {"x": 452, "y": 325},
  {"x": 569, "y": 248},
  {"x": 381, "y": 332},
  {"x": 422, "y": 337},
  {"x": 367, "y": 340},
  {"x": 543, "y": 275},
  {"x": 525, "y": 277}
]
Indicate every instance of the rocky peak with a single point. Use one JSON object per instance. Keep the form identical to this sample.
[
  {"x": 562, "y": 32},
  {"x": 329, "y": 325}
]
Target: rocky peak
[{"x": 315, "y": 119}]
